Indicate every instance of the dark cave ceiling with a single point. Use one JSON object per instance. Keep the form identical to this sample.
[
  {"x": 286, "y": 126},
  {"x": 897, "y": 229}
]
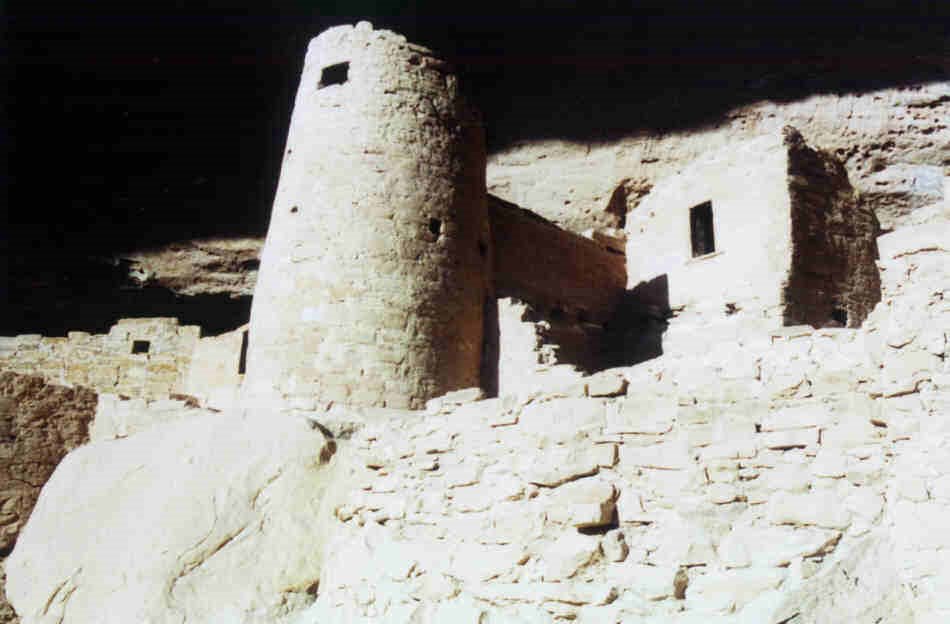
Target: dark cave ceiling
[{"x": 152, "y": 123}]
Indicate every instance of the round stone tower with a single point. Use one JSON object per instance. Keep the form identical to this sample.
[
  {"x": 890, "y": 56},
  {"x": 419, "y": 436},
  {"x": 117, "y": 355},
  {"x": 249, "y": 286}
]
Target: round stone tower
[{"x": 375, "y": 269}]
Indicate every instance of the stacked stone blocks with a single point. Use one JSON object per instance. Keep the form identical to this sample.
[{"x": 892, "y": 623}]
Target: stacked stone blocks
[{"x": 376, "y": 265}]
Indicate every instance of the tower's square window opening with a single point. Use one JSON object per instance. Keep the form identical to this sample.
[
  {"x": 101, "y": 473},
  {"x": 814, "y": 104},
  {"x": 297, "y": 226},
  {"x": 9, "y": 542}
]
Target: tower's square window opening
[
  {"x": 334, "y": 74},
  {"x": 701, "y": 229}
]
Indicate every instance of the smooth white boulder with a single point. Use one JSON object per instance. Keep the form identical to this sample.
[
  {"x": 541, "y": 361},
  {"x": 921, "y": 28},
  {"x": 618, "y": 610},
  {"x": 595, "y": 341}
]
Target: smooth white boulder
[{"x": 213, "y": 518}]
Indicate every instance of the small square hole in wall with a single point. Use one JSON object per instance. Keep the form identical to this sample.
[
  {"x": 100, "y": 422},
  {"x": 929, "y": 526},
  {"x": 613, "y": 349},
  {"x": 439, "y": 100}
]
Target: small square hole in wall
[
  {"x": 701, "y": 229},
  {"x": 839, "y": 318},
  {"x": 140, "y": 346},
  {"x": 334, "y": 74}
]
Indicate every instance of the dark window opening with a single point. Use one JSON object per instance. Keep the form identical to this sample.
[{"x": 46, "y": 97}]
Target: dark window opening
[
  {"x": 701, "y": 229},
  {"x": 435, "y": 227},
  {"x": 140, "y": 346},
  {"x": 839, "y": 316},
  {"x": 482, "y": 249},
  {"x": 334, "y": 74},
  {"x": 242, "y": 362}
]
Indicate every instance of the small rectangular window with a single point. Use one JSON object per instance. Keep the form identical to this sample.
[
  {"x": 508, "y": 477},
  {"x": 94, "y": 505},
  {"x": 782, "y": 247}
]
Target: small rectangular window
[
  {"x": 334, "y": 74},
  {"x": 140, "y": 346},
  {"x": 701, "y": 229}
]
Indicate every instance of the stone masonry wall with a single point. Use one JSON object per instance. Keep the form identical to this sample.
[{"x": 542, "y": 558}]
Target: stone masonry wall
[
  {"x": 376, "y": 266},
  {"x": 833, "y": 242},
  {"x": 529, "y": 357},
  {"x": 794, "y": 475},
  {"x": 215, "y": 374},
  {"x": 109, "y": 362},
  {"x": 538, "y": 262}
]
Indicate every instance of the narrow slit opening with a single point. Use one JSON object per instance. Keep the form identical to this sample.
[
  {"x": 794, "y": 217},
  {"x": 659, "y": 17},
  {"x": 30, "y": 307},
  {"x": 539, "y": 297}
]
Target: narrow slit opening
[
  {"x": 242, "y": 361},
  {"x": 701, "y": 229}
]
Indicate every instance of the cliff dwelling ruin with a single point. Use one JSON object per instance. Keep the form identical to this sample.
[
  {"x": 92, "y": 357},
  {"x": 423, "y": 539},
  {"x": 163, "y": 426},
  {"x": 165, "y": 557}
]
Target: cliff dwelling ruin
[{"x": 723, "y": 401}]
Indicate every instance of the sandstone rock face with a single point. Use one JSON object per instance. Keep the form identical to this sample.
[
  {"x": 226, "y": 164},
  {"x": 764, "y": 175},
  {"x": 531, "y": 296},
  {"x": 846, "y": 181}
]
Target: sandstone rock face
[
  {"x": 206, "y": 266},
  {"x": 374, "y": 273},
  {"x": 39, "y": 424},
  {"x": 832, "y": 278},
  {"x": 894, "y": 143},
  {"x": 210, "y": 518}
]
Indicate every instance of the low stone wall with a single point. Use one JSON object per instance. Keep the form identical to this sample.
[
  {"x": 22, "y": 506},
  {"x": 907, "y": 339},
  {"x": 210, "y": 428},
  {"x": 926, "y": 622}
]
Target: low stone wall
[
  {"x": 538, "y": 262},
  {"x": 559, "y": 303},
  {"x": 800, "y": 475},
  {"x": 140, "y": 357},
  {"x": 216, "y": 371},
  {"x": 537, "y": 353}
]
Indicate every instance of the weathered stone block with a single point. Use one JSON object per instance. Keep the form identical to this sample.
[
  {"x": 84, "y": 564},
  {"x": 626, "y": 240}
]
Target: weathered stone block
[{"x": 822, "y": 508}]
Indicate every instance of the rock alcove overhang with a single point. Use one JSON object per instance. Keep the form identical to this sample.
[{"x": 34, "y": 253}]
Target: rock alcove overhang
[{"x": 133, "y": 131}]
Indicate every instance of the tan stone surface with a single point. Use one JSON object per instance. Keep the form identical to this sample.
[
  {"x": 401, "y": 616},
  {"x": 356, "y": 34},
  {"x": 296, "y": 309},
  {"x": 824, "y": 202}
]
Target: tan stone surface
[
  {"x": 205, "y": 266},
  {"x": 215, "y": 517},
  {"x": 376, "y": 265},
  {"x": 537, "y": 262},
  {"x": 119, "y": 417}
]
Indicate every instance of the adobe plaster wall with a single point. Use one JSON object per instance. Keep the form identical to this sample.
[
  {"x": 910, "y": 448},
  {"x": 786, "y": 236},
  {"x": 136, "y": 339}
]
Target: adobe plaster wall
[
  {"x": 752, "y": 229},
  {"x": 793, "y": 244}
]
